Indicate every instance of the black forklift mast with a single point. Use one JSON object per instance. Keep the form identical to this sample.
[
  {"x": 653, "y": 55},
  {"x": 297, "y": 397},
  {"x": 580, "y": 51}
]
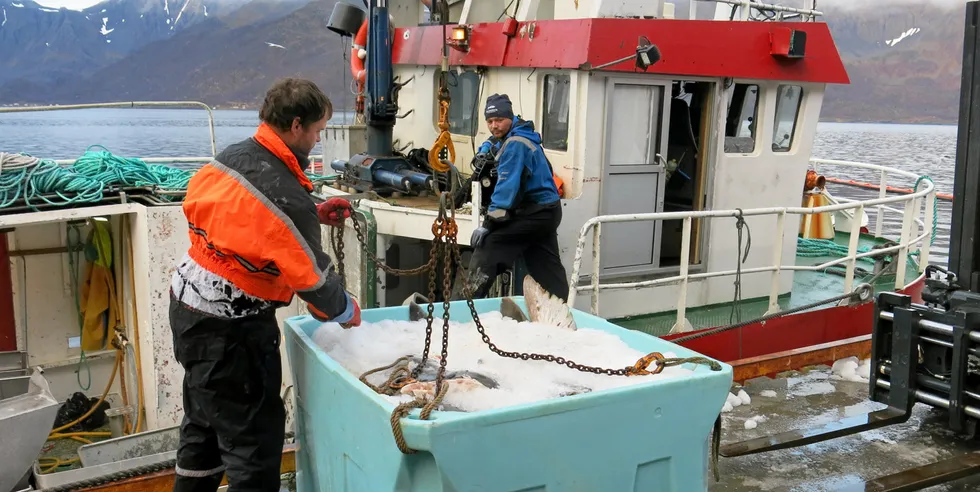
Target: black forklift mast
[
  {"x": 926, "y": 353},
  {"x": 964, "y": 252}
]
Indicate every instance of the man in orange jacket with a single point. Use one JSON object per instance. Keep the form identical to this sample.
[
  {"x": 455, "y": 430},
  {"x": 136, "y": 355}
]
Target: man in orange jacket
[{"x": 255, "y": 241}]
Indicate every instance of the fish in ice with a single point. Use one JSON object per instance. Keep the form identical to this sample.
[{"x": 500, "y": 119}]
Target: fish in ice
[{"x": 543, "y": 308}]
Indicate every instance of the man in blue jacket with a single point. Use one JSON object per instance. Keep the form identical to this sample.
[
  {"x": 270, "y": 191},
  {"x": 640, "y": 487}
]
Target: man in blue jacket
[{"x": 525, "y": 208}]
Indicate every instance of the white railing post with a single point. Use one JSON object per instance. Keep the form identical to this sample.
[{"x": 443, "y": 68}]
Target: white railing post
[
  {"x": 477, "y": 198},
  {"x": 681, "y": 324},
  {"x": 777, "y": 261},
  {"x": 852, "y": 247},
  {"x": 577, "y": 265},
  {"x": 881, "y": 208},
  {"x": 596, "y": 233},
  {"x": 908, "y": 221},
  {"x": 930, "y": 203}
]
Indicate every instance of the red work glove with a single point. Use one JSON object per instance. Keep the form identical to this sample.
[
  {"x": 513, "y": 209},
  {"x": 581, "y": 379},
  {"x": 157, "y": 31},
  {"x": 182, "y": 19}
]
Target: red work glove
[
  {"x": 356, "y": 320},
  {"x": 333, "y": 212}
]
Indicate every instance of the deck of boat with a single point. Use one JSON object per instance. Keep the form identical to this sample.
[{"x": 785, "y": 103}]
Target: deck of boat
[
  {"x": 812, "y": 399},
  {"x": 808, "y": 287}
]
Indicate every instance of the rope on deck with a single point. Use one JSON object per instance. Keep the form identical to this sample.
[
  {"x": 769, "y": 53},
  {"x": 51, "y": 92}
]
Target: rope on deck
[
  {"x": 32, "y": 179},
  {"x": 813, "y": 248},
  {"x": 824, "y": 247}
]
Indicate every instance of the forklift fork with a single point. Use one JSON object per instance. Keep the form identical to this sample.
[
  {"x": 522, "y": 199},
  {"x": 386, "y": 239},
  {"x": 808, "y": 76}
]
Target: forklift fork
[{"x": 898, "y": 392}]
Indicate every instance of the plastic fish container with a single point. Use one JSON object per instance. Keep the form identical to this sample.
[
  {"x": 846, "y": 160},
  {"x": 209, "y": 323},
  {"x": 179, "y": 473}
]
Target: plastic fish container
[{"x": 645, "y": 437}]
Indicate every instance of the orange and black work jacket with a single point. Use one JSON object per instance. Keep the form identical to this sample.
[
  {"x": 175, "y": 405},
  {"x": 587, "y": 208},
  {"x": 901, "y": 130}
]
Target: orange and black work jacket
[{"x": 255, "y": 236}]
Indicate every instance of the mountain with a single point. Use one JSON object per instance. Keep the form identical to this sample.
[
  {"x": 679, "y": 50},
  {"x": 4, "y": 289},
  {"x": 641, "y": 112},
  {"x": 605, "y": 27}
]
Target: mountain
[
  {"x": 229, "y": 61},
  {"x": 221, "y": 59},
  {"x": 904, "y": 64},
  {"x": 903, "y": 59},
  {"x": 40, "y": 44},
  {"x": 42, "y": 49}
]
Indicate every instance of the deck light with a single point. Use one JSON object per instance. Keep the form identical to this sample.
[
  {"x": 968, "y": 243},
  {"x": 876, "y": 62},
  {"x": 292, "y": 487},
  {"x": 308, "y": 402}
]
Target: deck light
[
  {"x": 459, "y": 38},
  {"x": 646, "y": 54}
]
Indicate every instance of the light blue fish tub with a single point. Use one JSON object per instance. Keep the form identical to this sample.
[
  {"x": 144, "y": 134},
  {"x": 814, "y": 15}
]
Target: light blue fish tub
[{"x": 648, "y": 437}]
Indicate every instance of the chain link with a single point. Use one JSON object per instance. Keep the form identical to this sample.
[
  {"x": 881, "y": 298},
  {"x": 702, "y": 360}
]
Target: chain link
[{"x": 446, "y": 248}]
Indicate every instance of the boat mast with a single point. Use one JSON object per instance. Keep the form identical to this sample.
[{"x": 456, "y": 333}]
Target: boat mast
[{"x": 381, "y": 106}]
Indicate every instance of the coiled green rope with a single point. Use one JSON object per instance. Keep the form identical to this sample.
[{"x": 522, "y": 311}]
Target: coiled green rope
[
  {"x": 32, "y": 179},
  {"x": 111, "y": 169},
  {"x": 28, "y": 178},
  {"x": 824, "y": 247}
]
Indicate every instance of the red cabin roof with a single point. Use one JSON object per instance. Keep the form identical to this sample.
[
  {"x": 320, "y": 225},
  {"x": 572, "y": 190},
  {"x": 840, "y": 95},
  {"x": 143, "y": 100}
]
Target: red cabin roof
[{"x": 738, "y": 49}]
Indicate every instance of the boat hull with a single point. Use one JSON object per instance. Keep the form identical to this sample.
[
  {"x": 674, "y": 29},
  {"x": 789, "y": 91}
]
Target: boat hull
[{"x": 793, "y": 332}]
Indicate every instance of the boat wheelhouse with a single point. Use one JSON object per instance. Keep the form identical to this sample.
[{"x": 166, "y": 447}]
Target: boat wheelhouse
[{"x": 685, "y": 181}]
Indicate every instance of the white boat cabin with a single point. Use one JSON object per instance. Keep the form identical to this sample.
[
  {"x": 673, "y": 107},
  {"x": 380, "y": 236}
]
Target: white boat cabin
[{"x": 724, "y": 120}]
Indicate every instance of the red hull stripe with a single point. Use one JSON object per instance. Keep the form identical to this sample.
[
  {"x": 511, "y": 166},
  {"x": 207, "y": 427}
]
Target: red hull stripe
[
  {"x": 688, "y": 48},
  {"x": 794, "y": 331}
]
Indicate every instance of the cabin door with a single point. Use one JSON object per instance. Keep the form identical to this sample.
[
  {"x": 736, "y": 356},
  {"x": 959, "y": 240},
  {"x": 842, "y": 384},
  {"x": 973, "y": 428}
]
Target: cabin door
[{"x": 633, "y": 174}]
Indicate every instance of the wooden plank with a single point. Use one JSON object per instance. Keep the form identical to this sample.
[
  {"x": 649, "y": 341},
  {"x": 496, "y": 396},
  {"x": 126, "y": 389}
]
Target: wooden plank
[
  {"x": 825, "y": 353},
  {"x": 163, "y": 481}
]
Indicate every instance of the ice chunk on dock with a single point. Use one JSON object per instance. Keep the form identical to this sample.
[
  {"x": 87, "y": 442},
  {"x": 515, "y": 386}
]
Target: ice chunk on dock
[
  {"x": 851, "y": 369},
  {"x": 374, "y": 345},
  {"x": 744, "y": 397}
]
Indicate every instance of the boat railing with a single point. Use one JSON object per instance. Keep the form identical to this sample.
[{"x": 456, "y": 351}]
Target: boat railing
[
  {"x": 907, "y": 243},
  {"x": 782, "y": 12},
  {"x": 143, "y": 104},
  {"x": 131, "y": 104}
]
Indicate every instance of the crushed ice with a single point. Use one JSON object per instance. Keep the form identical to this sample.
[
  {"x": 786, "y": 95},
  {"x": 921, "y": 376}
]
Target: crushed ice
[
  {"x": 373, "y": 345},
  {"x": 850, "y": 369}
]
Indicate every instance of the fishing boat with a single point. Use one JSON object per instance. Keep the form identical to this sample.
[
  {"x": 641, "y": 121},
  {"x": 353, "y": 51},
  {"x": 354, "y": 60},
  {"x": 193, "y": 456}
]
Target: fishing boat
[{"x": 693, "y": 209}]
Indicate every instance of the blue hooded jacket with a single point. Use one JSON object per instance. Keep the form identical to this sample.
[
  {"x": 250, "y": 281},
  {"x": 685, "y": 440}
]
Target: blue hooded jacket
[{"x": 523, "y": 173}]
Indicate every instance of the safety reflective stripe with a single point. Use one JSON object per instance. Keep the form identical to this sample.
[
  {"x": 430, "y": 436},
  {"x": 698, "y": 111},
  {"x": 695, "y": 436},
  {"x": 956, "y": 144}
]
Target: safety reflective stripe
[
  {"x": 199, "y": 473},
  {"x": 520, "y": 139},
  {"x": 269, "y": 268}
]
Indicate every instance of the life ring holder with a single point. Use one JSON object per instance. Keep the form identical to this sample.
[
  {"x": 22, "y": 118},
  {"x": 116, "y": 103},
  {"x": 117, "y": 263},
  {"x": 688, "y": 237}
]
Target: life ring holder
[{"x": 357, "y": 61}]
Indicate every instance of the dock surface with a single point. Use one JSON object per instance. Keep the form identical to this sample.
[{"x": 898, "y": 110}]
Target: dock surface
[{"x": 813, "y": 399}]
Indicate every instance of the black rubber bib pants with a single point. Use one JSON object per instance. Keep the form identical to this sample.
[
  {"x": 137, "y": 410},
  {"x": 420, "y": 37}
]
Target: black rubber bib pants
[{"x": 234, "y": 419}]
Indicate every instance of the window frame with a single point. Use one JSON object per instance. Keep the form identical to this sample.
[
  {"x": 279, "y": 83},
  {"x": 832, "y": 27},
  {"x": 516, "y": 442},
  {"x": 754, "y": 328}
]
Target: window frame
[
  {"x": 453, "y": 82},
  {"x": 795, "y": 120},
  {"x": 560, "y": 143},
  {"x": 754, "y": 124}
]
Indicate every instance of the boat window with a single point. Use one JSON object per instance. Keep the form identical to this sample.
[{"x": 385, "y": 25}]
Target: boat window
[
  {"x": 554, "y": 128},
  {"x": 464, "y": 111},
  {"x": 740, "y": 125},
  {"x": 788, "y": 99}
]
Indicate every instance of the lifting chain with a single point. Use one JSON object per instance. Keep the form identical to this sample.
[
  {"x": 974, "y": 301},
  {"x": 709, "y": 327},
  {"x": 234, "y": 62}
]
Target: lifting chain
[
  {"x": 446, "y": 248},
  {"x": 640, "y": 368},
  {"x": 444, "y": 142}
]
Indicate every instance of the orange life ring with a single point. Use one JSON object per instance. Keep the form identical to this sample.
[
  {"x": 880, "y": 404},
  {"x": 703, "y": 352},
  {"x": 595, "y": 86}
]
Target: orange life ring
[{"x": 356, "y": 62}]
